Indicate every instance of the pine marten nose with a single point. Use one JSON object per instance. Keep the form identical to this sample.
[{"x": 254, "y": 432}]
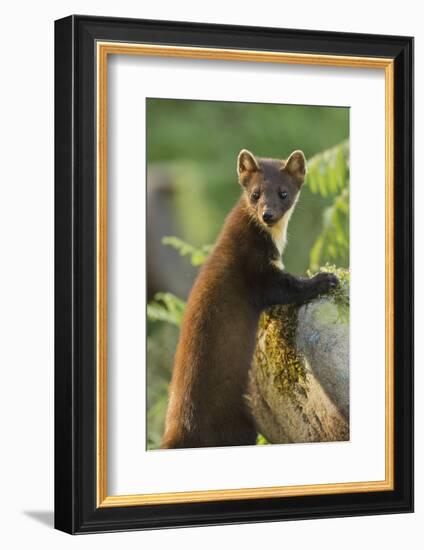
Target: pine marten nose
[{"x": 267, "y": 216}]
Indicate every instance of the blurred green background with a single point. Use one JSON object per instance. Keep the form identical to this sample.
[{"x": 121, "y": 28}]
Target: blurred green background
[{"x": 192, "y": 147}]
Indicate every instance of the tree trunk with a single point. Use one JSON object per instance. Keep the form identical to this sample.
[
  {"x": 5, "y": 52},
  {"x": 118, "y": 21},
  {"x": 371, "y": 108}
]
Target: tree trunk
[{"x": 299, "y": 381}]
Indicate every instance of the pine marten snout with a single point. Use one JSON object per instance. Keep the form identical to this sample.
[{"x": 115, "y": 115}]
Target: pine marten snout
[{"x": 243, "y": 275}]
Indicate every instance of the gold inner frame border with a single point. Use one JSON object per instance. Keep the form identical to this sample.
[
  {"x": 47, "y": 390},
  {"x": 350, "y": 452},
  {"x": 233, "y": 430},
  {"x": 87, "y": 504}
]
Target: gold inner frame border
[{"x": 103, "y": 50}]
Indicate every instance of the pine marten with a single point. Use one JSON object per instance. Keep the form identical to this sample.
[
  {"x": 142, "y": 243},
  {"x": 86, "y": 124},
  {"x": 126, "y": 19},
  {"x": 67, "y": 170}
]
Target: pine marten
[{"x": 242, "y": 276}]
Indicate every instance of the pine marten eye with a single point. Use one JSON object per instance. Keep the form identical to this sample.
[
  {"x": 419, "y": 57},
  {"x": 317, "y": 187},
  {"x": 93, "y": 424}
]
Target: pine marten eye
[
  {"x": 283, "y": 195},
  {"x": 255, "y": 196}
]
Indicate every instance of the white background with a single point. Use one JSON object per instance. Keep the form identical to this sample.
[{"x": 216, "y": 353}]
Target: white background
[
  {"x": 131, "y": 80},
  {"x": 26, "y": 276}
]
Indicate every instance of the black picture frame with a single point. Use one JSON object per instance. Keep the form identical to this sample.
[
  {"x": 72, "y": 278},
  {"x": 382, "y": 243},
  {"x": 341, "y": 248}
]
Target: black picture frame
[{"x": 76, "y": 508}]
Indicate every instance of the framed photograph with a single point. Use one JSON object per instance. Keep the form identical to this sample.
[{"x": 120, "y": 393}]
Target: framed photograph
[{"x": 234, "y": 274}]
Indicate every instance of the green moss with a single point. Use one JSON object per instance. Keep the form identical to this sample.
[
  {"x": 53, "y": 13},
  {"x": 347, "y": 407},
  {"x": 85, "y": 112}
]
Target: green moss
[{"x": 277, "y": 355}]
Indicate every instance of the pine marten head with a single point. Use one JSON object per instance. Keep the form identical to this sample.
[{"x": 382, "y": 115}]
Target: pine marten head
[{"x": 271, "y": 186}]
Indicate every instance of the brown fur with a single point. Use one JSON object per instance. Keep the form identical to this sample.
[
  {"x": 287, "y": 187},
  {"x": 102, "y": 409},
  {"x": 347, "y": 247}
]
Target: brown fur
[{"x": 207, "y": 404}]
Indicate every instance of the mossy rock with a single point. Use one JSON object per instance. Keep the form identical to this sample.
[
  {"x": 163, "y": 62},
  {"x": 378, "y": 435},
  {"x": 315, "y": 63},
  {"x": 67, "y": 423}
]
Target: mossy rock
[{"x": 299, "y": 383}]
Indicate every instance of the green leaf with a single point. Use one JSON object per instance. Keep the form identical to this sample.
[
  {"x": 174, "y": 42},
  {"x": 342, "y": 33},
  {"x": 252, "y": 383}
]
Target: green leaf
[
  {"x": 198, "y": 256},
  {"x": 261, "y": 440},
  {"x": 328, "y": 175},
  {"x": 332, "y": 243},
  {"x": 166, "y": 307},
  {"x": 328, "y": 172}
]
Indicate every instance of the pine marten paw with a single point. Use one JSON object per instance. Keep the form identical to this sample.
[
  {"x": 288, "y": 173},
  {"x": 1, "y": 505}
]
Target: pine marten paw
[{"x": 325, "y": 282}]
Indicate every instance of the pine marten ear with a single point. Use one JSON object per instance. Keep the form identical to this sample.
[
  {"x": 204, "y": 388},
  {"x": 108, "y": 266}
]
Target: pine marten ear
[
  {"x": 296, "y": 166},
  {"x": 246, "y": 164}
]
